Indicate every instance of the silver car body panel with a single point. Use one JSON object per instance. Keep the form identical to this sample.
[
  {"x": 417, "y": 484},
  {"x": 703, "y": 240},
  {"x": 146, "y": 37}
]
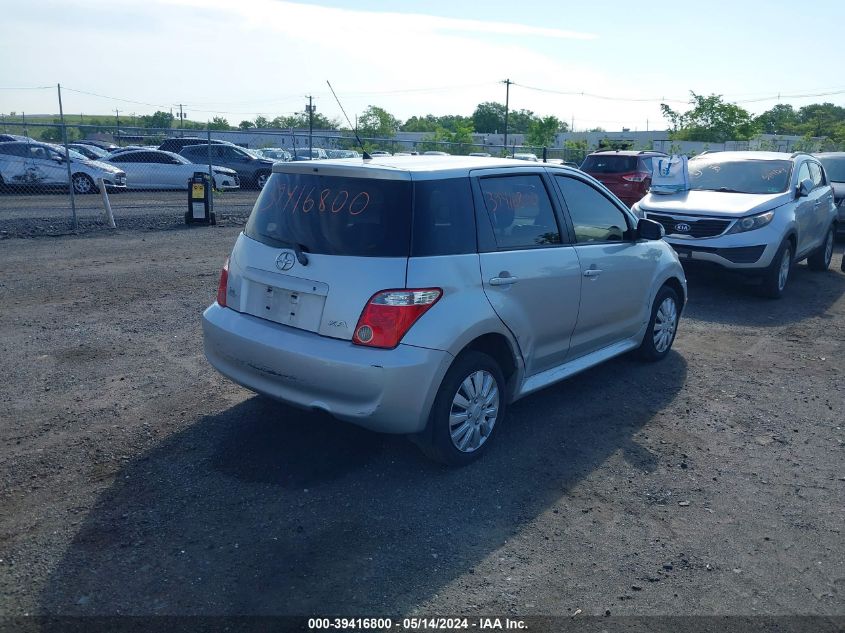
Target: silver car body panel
[
  {"x": 382, "y": 390},
  {"x": 308, "y": 359}
]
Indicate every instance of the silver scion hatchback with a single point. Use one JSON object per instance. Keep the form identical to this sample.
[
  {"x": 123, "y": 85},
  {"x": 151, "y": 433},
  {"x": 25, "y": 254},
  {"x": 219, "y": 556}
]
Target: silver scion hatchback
[{"x": 423, "y": 295}]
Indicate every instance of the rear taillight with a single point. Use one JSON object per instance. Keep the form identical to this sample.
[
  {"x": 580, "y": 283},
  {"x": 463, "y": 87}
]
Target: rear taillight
[
  {"x": 638, "y": 176},
  {"x": 223, "y": 285},
  {"x": 389, "y": 315}
]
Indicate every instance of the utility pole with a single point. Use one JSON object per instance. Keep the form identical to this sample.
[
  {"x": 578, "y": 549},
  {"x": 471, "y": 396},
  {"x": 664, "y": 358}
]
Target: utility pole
[
  {"x": 67, "y": 159},
  {"x": 117, "y": 125},
  {"x": 310, "y": 109},
  {"x": 572, "y": 127},
  {"x": 181, "y": 120},
  {"x": 507, "y": 83}
]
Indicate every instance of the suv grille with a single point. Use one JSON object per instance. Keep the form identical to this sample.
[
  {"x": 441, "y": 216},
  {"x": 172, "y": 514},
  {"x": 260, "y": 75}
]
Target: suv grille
[{"x": 697, "y": 228}]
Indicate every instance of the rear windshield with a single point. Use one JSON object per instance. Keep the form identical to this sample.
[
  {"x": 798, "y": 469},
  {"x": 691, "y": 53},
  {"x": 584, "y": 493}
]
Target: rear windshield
[
  {"x": 834, "y": 167},
  {"x": 740, "y": 176},
  {"x": 610, "y": 164},
  {"x": 334, "y": 215}
]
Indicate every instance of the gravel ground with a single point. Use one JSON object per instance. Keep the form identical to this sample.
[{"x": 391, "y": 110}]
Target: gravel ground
[{"x": 135, "y": 480}]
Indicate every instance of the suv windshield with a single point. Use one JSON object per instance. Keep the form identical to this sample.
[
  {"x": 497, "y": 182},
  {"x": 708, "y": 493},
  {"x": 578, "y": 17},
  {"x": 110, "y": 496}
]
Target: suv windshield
[
  {"x": 609, "y": 164},
  {"x": 834, "y": 166},
  {"x": 334, "y": 215},
  {"x": 740, "y": 176}
]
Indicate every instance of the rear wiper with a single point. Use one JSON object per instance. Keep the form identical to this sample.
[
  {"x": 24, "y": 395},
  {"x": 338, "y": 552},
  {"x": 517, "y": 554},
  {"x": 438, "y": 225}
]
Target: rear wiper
[
  {"x": 296, "y": 247},
  {"x": 301, "y": 257}
]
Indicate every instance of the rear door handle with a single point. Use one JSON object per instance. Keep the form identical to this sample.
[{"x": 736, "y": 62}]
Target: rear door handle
[
  {"x": 592, "y": 272},
  {"x": 503, "y": 281}
]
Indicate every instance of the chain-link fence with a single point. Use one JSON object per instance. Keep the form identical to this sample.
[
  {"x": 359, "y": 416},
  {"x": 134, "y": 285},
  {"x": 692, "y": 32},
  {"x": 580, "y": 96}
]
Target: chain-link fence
[{"x": 146, "y": 171}]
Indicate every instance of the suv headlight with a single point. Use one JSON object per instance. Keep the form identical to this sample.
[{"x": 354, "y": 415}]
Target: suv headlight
[{"x": 752, "y": 222}]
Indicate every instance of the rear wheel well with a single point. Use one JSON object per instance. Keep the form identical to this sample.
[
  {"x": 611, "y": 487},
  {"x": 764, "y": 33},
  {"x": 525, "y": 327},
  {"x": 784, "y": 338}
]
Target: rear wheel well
[{"x": 497, "y": 347}]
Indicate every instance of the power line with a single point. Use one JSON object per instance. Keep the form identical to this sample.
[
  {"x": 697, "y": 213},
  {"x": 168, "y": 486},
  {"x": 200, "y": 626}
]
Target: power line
[{"x": 26, "y": 87}]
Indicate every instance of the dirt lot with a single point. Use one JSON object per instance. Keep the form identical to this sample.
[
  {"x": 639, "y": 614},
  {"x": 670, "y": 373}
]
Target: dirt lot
[{"x": 134, "y": 480}]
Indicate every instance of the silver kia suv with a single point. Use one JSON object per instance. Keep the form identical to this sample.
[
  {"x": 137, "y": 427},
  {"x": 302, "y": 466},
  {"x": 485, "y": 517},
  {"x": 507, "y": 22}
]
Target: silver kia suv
[
  {"x": 752, "y": 212},
  {"x": 422, "y": 296}
]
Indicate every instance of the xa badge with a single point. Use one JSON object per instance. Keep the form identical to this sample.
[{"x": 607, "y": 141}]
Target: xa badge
[
  {"x": 683, "y": 227},
  {"x": 285, "y": 260}
]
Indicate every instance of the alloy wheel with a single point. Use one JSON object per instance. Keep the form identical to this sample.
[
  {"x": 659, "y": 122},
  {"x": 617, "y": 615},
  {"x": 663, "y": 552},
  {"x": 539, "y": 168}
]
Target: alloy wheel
[
  {"x": 665, "y": 322},
  {"x": 474, "y": 411}
]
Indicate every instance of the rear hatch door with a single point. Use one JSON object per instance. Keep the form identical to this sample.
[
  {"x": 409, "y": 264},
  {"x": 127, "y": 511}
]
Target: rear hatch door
[
  {"x": 319, "y": 243},
  {"x": 610, "y": 169}
]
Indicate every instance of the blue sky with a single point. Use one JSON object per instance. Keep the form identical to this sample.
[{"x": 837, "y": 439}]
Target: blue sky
[{"x": 248, "y": 57}]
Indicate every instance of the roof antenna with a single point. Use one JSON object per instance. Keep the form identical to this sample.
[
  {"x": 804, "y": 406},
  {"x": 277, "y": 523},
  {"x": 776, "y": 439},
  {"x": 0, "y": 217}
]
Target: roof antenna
[{"x": 354, "y": 131}]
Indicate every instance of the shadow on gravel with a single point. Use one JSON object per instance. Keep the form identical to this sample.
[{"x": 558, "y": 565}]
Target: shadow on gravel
[
  {"x": 264, "y": 509},
  {"x": 721, "y": 297}
]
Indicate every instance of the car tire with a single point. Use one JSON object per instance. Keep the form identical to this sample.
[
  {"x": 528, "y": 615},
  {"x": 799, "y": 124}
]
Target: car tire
[
  {"x": 820, "y": 259},
  {"x": 261, "y": 179},
  {"x": 662, "y": 326},
  {"x": 83, "y": 184},
  {"x": 473, "y": 378},
  {"x": 774, "y": 281}
]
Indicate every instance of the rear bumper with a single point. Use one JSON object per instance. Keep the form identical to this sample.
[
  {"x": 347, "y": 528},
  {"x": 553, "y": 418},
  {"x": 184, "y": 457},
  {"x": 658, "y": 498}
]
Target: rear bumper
[{"x": 383, "y": 390}]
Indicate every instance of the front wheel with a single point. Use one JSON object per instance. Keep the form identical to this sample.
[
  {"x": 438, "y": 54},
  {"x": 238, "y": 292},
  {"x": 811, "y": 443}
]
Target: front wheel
[
  {"x": 261, "y": 179},
  {"x": 662, "y": 326},
  {"x": 776, "y": 277},
  {"x": 83, "y": 184},
  {"x": 469, "y": 407},
  {"x": 820, "y": 259}
]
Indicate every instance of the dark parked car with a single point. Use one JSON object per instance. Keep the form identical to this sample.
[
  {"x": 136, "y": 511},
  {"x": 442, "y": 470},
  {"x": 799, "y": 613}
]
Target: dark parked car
[
  {"x": 626, "y": 173},
  {"x": 834, "y": 167},
  {"x": 252, "y": 171},
  {"x": 176, "y": 145}
]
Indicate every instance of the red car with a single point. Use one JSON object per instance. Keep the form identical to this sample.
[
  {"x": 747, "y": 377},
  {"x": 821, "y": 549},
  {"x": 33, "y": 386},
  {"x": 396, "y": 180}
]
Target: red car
[{"x": 626, "y": 173}]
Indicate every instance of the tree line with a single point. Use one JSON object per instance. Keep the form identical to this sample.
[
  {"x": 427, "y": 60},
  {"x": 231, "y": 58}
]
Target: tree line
[
  {"x": 712, "y": 119},
  {"x": 708, "y": 118}
]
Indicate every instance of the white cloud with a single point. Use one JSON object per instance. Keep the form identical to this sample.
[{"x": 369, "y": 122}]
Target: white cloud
[{"x": 264, "y": 56}]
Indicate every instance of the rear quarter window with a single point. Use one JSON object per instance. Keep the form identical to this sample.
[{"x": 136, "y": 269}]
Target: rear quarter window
[
  {"x": 444, "y": 221},
  {"x": 334, "y": 215}
]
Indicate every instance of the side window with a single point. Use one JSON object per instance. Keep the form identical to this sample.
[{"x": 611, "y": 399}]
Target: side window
[
  {"x": 16, "y": 149},
  {"x": 520, "y": 211},
  {"x": 120, "y": 158},
  {"x": 803, "y": 172},
  {"x": 594, "y": 217},
  {"x": 159, "y": 159},
  {"x": 36, "y": 151},
  {"x": 444, "y": 221},
  {"x": 816, "y": 174}
]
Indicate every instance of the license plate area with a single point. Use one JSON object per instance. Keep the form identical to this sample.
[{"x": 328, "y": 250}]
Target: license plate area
[{"x": 295, "y": 308}]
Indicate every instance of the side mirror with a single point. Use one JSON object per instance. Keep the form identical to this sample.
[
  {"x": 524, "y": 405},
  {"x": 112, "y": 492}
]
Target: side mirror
[
  {"x": 650, "y": 230},
  {"x": 804, "y": 188},
  {"x": 59, "y": 159}
]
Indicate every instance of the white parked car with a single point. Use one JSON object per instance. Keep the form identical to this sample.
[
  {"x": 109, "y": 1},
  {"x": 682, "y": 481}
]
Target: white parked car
[
  {"x": 526, "y": 156},
  {"x": 156, "y": 169},
  {"x": 34, "y": 164}
]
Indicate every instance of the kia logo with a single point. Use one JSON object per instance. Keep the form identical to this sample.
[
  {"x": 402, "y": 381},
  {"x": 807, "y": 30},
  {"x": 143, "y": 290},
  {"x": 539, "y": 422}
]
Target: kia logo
[
  {"x": 681, "y": 227},
  {"x": 285, "y": 260}
]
